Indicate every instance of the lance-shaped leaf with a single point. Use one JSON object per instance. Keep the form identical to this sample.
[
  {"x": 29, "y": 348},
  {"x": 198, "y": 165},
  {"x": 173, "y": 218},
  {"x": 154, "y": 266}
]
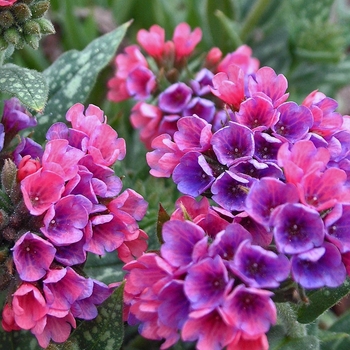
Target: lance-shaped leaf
[
  {"x": 321, "y": 300},
  {"x": 28, "y": 85},
  {"x": 72, "y": 76}
]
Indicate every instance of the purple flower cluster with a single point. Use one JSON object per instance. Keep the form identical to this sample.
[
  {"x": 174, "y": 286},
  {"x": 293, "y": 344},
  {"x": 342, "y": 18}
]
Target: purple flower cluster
[
  {"x": 72, "y": 204},
  {"x": 210, "y": 283}
]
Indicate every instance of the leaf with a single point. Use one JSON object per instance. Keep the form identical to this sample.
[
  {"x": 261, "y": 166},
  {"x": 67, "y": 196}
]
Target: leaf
[
  {"x": 106, "y": 331},
  {"x": 28, "y": 85},
  {"x": 163, "y": 217},
  {"x": 72, "y": 76},
  {"x": 320, "y": 301}
]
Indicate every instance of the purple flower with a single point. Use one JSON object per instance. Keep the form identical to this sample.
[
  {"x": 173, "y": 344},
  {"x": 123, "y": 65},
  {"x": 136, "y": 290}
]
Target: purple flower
[
  {"x": 337, "y": 223},
  {"x": 265, "y": 195},
  {"x": 233, "y": 144},
  {"x": 209, "y": 275},
  {"x": 26, "y": 147},
  {"x": 201, "y": 107},
  {"x": 266, "y": 147},
  {"x": 257, "y": 169},
  {"x": 230, "y": 190},
  {"x": 319, "y": 267},
  {"x": 65, "y": 221},
  {"x": 250, "y": 310},
  {"x": 175, "y": 98},
  {"x": 72, "y": 254},
  {"x": 193, "y": 175},
  {"x": 15, "y": 117},
  {"x": 258, "y": 267},
  {"x": 32, "y": 256},
  {"x": 181, "y": 239},
  {"x": 294, "y": 121},
  {"x": 227, "y": 241},
  {"x": 297, "y": 228},
  {"x": 202, "y": 82}
]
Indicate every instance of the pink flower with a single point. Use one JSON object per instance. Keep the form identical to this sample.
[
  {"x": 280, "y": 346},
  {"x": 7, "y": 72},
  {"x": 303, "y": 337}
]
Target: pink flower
[
  {"x": 29, "y": 307},
  {"x": 40, "y": 190},
  {"x": 152, "y": 41},
  {"x": 8, "y": 319},
  {"x": 32, "y": 256},
  {"x": 7, "y": 2},
  {"x": 185, "y": 40},
  {"x": 229, "y": 86},
  {"x": 27, "y": 166}
]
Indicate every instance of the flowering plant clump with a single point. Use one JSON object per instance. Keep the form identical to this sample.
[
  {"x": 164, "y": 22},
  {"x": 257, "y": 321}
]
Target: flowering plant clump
[
  {"x": 237, "y": 240},
  {"x": 231, "y": 134},
  {"x": 62, "y": 202}
]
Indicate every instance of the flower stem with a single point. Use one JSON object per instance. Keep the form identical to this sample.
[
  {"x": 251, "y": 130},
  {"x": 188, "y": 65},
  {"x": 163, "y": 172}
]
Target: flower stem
[{"x": 253, "y": 17}]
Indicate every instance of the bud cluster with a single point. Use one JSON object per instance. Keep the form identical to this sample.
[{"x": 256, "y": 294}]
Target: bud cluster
[{"x": 23, "y": 23}]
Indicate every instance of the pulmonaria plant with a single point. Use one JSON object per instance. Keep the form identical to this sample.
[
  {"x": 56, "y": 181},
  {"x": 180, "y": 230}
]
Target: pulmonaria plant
[
  {"x": 60, "y": 203},
  {"x": 276, "y": 171}
]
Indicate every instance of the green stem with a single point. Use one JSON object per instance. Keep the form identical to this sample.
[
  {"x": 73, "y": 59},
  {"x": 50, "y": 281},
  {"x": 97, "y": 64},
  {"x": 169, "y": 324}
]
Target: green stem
[{"x": 253, "y": 17}]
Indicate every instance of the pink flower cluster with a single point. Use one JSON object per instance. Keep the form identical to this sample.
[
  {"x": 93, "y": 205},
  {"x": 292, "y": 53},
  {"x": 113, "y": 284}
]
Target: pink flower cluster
[{"x": 73, "y": 205}]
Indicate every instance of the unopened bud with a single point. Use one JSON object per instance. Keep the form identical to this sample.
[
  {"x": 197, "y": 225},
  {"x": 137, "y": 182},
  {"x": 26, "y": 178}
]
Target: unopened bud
[
  {"x": 4, "y": 219},
  {"x": 31, "y": 27},
  {"x": 9, "y": 176},
  {"x": 6, "y": 19},
  {"x": 46, "y": 27},
  {"x": 32, "y": 40},
  {"x": 4, "y": 253},
  {"x": 12, "y": 36},
  {"x": 26, "y": 167},
  {"x": 39, "y": 8},
  {"x": 21, "y": 12}
]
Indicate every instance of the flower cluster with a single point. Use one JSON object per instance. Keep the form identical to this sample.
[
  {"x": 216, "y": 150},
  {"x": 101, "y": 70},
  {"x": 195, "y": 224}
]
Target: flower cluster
[
  {"x": 210, "y": 282},
  {"x": 278, "y": 171},
  {"x": 58, "y": 204}
]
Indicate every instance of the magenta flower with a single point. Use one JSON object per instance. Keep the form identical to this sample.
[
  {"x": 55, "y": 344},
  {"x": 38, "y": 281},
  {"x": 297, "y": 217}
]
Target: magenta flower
[
  {"x": 201, "y": 107},
  {"x": 297, "y": 228},
  {"x": 194, "y": 134},
  {"x": 202, "y": 82},
  {"x": 140, "y": 83},
  {"x": 32, "y": 257},
  {"x": 62, "y": 287},
  {"x": 209, "y": 329},
  {"x": 64, "y": 221},
  {"x": 7, "y": 2},
  {"x": 266, "y": 147},
  {"x": 229, "y": 86},
  {"x": 250, "y": 310},
  {"x": 233, "y": 144},
  {"x": 175, "y": 98},
  {"x": 259, "y": 268},
  {"x": 257, "y": 113},
  {"x": 267, "y": 81},
  {"x": 40, "y": 190},
  {"x": 209, "y": 275},
  {"x": 319, "y": 267}
]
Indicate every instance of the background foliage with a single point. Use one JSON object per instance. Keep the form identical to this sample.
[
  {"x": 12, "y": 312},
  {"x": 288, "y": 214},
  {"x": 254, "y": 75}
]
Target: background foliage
[{"x": 308, "y": 42}]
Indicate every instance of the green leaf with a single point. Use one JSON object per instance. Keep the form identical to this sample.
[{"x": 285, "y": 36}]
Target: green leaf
[
  {"x": 320, "y": 301},
  {"x": 28, "y": 85},
  {"x": 72, "y": 76},
  {"x": 106, "y": 331},
  {"x": 163, "y": 217}
]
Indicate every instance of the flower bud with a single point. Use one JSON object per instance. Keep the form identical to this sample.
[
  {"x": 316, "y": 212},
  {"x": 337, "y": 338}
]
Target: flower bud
[
  {"x": 12, "y": 36},
  {"x": 32, "y": 40},
  {"x": 40, "y": 8},
  {"x": 6, "y": 19},
  {"x": 46, "y": 27},
  {"x": 26, "y": 167},
  {"x": 31, "y": 27},
  {"x": 4, "y": 253},
  {"x": 21, "y": 12},
  {"x": 9, "y": 176}
]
